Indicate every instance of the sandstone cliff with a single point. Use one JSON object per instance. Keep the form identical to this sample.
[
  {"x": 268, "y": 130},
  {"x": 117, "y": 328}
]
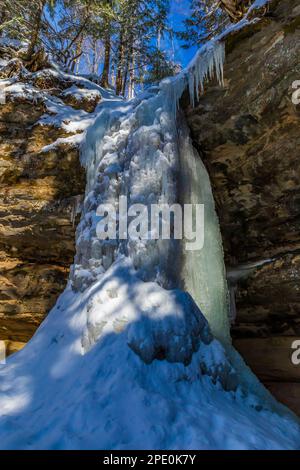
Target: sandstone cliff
[
  {"x": 41, "y": 184},
  {"x": 248, "y": 134}
]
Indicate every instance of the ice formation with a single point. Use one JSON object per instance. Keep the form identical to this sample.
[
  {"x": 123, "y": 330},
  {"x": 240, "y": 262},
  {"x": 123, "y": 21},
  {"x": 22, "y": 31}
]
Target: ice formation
[
  {"x": 139, "y": 150},
  {"x": 207, "y": 63},
  {"x": 205, "y": 267},
  {"x": 134, "y": 150},
  {"x": 127, "y": 358}
]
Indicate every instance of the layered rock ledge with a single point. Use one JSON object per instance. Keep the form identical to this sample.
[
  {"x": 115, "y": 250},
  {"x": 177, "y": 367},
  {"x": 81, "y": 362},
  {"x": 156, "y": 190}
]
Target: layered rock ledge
[{"x": 41, "y": 186}]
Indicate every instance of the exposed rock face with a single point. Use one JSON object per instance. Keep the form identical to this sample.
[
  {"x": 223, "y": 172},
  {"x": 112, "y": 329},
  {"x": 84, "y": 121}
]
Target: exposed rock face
[
  {"x": 39, "y": 194},
  {"x": 248, "y": 134}
]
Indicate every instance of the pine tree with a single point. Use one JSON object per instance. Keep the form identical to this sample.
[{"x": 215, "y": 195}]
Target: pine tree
[
  {"x": 36, "y": 21},
  {"x": 24, "y": 19},
  {"x": 159, "y": 68},
  {"x": 64, "y": 34},
  {"x": 107, "y": 31},
  {"x": 11, "y": 17},
  {"x": 128, "y": 34},
  {"x": 140, "y": 25},
  {"x": 210, "y": 17},
  {"x": 205, "y": 21}
]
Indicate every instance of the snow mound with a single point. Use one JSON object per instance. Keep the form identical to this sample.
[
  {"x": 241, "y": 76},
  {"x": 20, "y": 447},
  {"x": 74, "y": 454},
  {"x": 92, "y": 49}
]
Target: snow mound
[
  {"x": 81, "y": 93},
  {"x": 167, "y": 324}
]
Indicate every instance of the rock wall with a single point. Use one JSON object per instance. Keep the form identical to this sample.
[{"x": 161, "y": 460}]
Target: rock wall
[
  {"x": 248, "y": 135},
  {"x": 39, "y": 193}
]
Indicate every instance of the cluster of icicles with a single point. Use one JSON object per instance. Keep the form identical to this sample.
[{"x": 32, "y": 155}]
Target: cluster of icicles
[{"x": 207, "y": 64}]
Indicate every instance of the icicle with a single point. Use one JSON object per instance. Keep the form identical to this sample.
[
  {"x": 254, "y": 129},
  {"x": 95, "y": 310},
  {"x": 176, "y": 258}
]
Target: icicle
[
  {"x": 203, "y": 271},
  {"x": 191, "y": 79},
  {"x": 207, "y": 64}
]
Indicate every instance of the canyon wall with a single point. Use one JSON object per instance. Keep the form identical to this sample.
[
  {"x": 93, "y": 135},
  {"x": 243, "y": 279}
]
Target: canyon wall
[
  {"x": 248, "y": 135},
  {"x": 40, "y": 189}
]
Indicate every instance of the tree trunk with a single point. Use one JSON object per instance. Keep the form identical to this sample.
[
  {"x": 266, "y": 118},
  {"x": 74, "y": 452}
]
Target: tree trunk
[
  {"x": 106, "y": 67},
  {"x": 36, "y": 27},
  {"x": 141, "y": 69},
  {"x": 78, "y": 53},
  {"x": 125, "y": 77},
  {"x": 119, "y": 80},
  {"x": 113, "y": 76},
  {"x": 129, "y": 60},
  {"x": 132, "y": 77},
  {"x": 3, "y": 16}
]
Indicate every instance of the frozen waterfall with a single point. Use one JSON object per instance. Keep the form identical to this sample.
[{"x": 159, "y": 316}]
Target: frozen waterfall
[
  {"x": 203, "y": 272},
  {"x": 142, "y": 150},
  {"x": 135, "y": 150}
]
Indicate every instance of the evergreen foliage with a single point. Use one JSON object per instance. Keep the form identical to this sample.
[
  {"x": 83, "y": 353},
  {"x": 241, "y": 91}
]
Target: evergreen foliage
[{"x": 121, "y": 42}]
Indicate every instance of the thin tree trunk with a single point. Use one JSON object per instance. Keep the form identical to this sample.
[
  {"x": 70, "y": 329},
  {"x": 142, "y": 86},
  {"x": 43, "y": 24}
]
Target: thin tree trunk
[
  {"x": 106, "y": 67},
  {"x": 119, "y": 79},
  {"x": 95, "y": 57},
  {"x": 131, "y": 65},
  {"x": 125, "y": 77},
  {"x": 131, "y": 91},
  {"x": 78, "y": 53},
  {"x": 2, "y": 18},
  {"x": 36, "y": 28},
  {"x": 128, "y": 62},
  {"x": 112, "y": 76},
  {"x": 141, "y": 70}
]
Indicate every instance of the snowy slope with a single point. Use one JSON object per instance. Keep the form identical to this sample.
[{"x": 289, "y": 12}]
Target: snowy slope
[
  {"x": 78, "y": 386},
  {"x": 126, "y": 360}
]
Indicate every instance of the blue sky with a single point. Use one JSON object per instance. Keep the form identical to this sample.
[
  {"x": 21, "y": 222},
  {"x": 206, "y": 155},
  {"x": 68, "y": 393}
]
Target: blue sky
[{"x": 179, "y": 11}]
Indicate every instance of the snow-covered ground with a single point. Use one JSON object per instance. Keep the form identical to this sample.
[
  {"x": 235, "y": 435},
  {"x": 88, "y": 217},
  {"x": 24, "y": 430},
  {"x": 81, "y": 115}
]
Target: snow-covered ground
[{"x": 126, "y": 359}]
